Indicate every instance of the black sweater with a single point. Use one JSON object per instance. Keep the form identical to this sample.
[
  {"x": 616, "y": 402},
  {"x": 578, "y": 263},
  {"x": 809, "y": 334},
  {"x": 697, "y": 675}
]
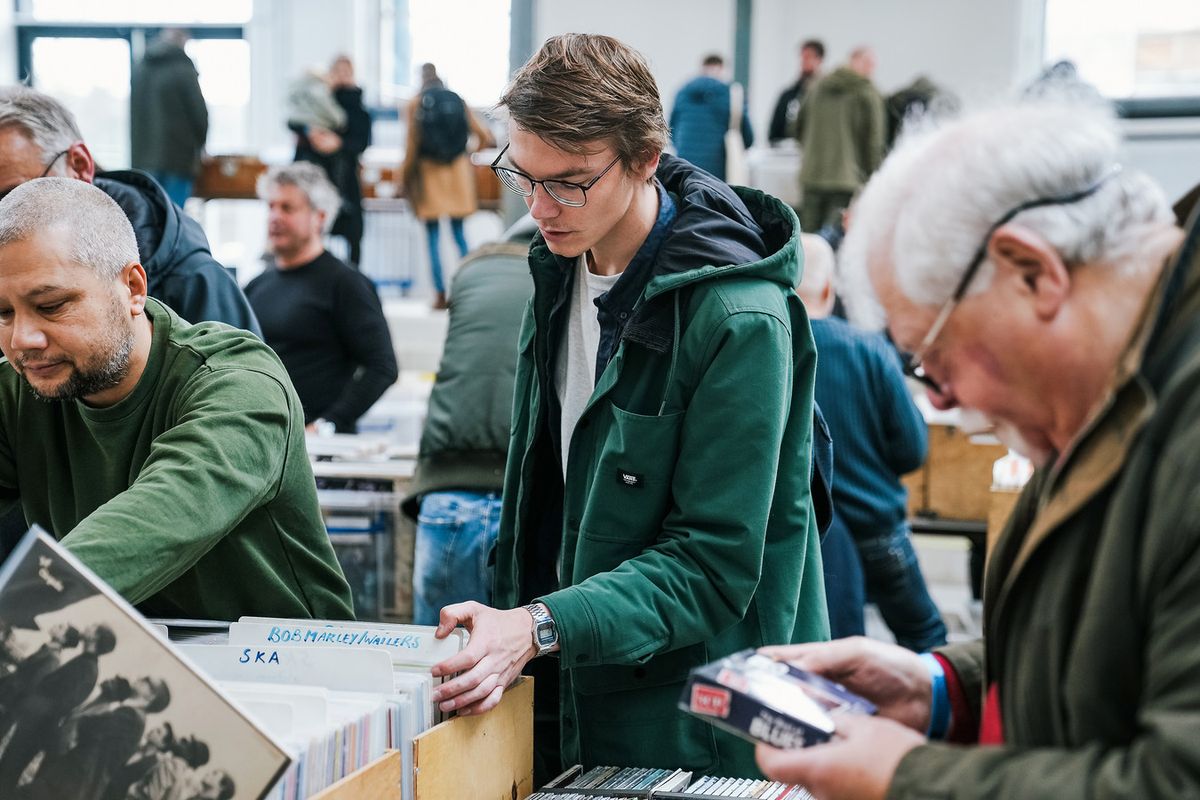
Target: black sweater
[{"x": 325, "y": 321}]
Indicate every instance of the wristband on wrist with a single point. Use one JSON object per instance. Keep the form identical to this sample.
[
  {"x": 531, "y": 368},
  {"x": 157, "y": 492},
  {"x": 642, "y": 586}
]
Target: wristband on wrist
[{"x": 939, "y": 708}]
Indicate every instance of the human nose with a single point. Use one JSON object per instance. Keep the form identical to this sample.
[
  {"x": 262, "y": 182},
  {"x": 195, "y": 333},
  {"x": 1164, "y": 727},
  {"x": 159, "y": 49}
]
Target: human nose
[
  {"x": 27, "y": 333},
  {"x": 541, "y": 204},
  {"x": 942, "y": 398}
]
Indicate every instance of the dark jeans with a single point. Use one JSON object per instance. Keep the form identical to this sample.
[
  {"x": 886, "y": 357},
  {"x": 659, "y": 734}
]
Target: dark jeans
[
  {"x": 894, "y": 582},
  {"x": 844, "y": 593}
]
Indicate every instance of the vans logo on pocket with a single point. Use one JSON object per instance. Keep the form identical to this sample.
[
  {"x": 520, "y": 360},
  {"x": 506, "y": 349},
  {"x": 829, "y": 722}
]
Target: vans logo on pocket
[{"x": 631, "y": 479}]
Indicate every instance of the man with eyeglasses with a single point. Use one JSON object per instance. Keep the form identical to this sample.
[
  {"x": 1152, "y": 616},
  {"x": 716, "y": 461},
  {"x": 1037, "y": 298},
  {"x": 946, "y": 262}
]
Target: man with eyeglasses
[
  {"x": 656, "y": 507},
  {"x": 1044, "y": 289}
]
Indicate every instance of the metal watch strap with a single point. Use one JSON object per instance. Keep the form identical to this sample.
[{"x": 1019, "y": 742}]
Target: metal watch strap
[{"x": 541, "y": 618}]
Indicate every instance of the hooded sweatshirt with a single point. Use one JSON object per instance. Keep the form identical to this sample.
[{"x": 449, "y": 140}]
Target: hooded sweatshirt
[
  {"x": 174, "y": 250},
  {"x": 842, "y": 129}
]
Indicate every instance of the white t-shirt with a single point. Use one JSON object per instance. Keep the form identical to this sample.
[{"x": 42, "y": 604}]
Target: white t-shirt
[{"x": 575, "y": 367}]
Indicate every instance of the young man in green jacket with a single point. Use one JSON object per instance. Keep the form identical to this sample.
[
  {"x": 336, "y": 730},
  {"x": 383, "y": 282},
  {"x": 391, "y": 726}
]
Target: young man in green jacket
[
  {"x": 1038, "y": 284},
  {"x": 656, "y": 510},
  {"x": 168, "y": 457}
]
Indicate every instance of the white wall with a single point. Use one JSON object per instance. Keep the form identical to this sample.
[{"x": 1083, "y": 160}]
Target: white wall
[{"x": 673, "y": 35}]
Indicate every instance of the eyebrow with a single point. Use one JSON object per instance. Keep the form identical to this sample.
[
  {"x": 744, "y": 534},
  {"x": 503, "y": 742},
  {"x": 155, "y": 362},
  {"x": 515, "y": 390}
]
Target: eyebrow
[
  {"x": 44, "y": 289},
  {"x": 578, "y": 172}
]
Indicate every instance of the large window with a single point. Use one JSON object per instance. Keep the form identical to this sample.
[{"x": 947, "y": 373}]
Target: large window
[
  {"x": 1146, "y": 53},
  {"x": 467, "y": 40},
  {"x": 82, "y": 53}
]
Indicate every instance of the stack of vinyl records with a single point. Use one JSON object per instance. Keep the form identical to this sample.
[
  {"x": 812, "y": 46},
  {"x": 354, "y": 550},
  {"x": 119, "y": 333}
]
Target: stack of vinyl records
[
  {"x": 616, "y": 783},
  {"x": 335, "y": 694}
]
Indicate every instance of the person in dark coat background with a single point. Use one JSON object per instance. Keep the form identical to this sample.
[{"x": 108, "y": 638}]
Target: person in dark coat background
[
  {"x": 700, "y": 118},
  {"x": 168, "y": 118},
  {"x": 337, "y": 152},
  {"x": 787, "y": 107}
]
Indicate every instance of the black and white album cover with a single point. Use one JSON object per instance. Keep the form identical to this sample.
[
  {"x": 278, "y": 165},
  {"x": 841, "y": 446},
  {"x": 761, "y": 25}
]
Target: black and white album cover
[{"x": 95, "y": 706}]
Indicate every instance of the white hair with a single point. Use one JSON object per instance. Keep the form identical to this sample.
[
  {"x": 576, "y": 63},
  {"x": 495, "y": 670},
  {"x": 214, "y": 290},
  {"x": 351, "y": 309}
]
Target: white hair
[
  {"x": 100, "y": 235},
  {"x": 310, "y": 179},
  {"x": 928, "y": 209},
  {"x": 45, "y": 121},
  {"x": 818, "y": 263}
]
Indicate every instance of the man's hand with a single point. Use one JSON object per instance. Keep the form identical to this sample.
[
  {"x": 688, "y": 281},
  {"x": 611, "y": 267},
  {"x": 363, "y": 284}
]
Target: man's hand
[
  {"x": 858, "y": 763},
  {"x": 501, "y": 645},
  {"x": 894, "y": 679}
]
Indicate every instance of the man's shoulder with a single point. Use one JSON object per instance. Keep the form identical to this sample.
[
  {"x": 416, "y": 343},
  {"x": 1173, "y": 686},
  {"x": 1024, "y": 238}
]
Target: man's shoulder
[{"x": 208, "y": 346}]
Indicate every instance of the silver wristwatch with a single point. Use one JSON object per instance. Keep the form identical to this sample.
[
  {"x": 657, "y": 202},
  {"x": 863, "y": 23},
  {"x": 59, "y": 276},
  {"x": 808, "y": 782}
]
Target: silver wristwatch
[{"x": 545, "y": 632}]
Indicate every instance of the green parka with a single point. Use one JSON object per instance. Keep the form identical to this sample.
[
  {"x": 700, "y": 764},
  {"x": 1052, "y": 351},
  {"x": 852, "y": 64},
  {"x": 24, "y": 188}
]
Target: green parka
[
  {"x": 1092, "y": 596},
  {"x": 687, "y": 529},
  {"x": 842, "y": 126}
]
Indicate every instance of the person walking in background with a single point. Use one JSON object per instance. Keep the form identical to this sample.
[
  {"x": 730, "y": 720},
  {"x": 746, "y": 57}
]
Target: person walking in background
[
  {"x": 842, "y": 127},
  {"x": 322, "y": 318},
  {"x": 168, "y": 119},
  {"x": 787, "y": 107},
  {"x": 436, "y": 170},
  {"x": 879, "y": 435},
  {"x": 701, "y": 115},
  {"x": 337, "y": 145},
  {"x": 455, "y": 495}
]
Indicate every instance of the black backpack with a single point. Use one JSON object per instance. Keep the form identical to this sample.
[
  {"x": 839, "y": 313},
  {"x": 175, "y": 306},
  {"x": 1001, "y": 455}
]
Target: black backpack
[{"x": 442, "y": 116}]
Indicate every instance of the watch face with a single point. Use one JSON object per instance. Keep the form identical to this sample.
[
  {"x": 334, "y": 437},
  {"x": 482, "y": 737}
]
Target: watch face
[{"x": 546, "y": 634}]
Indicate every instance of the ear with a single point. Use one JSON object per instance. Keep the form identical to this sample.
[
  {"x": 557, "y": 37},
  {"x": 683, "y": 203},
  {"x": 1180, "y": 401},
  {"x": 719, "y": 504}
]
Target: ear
[
  {"x": 645, "y": 169},
  {"x": 1028, "y": 259},
  {"x": 80, "y": 164},
  {"x": 133, "y": 279}
]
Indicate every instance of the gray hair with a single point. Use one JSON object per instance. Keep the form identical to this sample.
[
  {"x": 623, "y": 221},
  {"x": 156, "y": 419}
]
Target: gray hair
[
  {"x": 929, "y": 207},
  {"x": 99, "y": 232},
  {"x": 310, "y": 179},
  {"x": 47, "y": 122}
]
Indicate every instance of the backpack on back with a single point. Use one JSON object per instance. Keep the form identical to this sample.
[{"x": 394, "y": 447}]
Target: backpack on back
[{"x": 442, "y": 116}]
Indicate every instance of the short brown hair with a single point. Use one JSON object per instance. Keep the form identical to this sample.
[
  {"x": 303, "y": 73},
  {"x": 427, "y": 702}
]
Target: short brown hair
[{"x": 582, "y": 88}]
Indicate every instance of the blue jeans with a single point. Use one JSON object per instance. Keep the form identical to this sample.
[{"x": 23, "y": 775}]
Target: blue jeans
[
  {"x": 178, "y": 187},
  {"x": 455, "y": 535},
  {"x": 435, "y": 255},
  {"x": 895, "y": 583},
  {"x": 844, "y": 593}
]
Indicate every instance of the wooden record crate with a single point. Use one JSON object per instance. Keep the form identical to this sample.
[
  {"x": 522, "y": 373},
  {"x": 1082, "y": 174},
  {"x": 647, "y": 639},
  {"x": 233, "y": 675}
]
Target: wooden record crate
[
  {"x": 489, "y": 757},
  {"x": 956, "y": 479},
  {"x": 229, "y": 178}
]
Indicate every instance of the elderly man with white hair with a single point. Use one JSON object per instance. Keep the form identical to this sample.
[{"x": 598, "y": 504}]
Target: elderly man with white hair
[
  {"x": 168, "y": 457},
  {"x": 1042, "y": 287}
]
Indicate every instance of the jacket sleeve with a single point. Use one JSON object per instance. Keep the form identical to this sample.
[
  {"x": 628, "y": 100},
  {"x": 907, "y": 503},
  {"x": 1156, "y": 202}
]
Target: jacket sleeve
[
  {"x": 10, "y": 496},
  {"x": 223, "y": 458},
  {"x": 777, "y": 131},
  {"x": 873, "y": 127},
  {"x": 907, "y": 441},
  {"x": 363, "y": 334},
  {"x": 207, "y": 292},
  {"x": 747, "y": 128},
  {"x": 1162, "y": 760},
  {"x": 700, "y": 571},
  {"x": 357, "y": 136}
]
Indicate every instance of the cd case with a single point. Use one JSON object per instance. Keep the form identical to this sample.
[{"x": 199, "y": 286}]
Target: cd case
[{"x": 764, "y": 700}]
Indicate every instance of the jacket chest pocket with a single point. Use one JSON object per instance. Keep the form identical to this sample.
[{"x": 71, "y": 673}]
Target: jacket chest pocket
[{"x": 630, "y": 491}]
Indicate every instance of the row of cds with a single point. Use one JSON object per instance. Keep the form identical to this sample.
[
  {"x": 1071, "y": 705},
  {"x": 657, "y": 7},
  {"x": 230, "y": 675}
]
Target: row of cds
[{"x": 617, "y": 783}]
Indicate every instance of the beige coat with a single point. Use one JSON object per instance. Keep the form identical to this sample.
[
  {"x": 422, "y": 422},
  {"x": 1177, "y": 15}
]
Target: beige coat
[{"x": 434, "y": 189}]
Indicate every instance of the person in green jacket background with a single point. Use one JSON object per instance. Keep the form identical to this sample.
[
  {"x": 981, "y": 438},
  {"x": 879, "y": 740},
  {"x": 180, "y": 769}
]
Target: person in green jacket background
[
  {"x": 168, "y": 457},
  {"x": 656, "y": 509},
  {"x": 842, "y": 128},
  {"x": 1042, "y": 286}
]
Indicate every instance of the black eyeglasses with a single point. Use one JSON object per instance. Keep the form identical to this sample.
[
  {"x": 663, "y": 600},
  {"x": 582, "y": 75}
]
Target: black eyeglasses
[
  {"x": 565, "y": 192},
  {"x": 912, "y": 364},
  {"x": 46, "y": 171}
]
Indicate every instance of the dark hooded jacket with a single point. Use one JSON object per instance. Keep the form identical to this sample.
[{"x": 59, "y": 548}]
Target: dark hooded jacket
[
  {"x": 168, "y": 118},
  {"x": 179, "y": 266},
  {"x": 699, "y": 120},
  {"x": 685, "y": 530}
]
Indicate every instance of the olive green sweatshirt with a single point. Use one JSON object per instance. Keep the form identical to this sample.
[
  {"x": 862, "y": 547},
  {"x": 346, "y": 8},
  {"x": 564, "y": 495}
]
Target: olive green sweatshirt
[{"x": 193, "y": 496}]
